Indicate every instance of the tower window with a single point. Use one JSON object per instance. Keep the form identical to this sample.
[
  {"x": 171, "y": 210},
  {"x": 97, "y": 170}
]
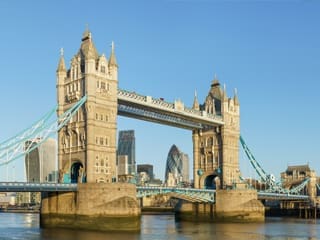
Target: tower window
[
  {"x": 103, "y": 85},
  {"x": 103, "y": 69}
]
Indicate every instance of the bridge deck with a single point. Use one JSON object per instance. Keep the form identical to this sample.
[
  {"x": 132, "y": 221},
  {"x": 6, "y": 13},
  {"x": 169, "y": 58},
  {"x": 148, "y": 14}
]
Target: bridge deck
[
  {"x": 191, "y": 194},
  {"x": 37, "y": 187}
]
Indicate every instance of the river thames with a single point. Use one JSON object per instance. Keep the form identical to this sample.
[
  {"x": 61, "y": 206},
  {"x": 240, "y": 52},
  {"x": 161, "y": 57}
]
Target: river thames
[{"x": 26, "y": 226}]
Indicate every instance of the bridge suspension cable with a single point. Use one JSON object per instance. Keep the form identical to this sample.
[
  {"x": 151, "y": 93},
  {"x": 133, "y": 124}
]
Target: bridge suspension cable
[
  {"x": 23, "y": 135},
  {"x": 269, "y": 178},
  {"x": 29, "y": 139}
]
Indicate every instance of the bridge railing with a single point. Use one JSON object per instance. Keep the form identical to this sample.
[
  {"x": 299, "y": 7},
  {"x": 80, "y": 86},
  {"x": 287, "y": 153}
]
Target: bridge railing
[
  {"x": 37, "y": 187},
  {"x": 281, "y": 196}
]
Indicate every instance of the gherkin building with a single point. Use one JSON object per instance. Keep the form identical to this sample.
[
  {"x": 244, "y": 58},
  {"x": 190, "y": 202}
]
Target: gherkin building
[{"x": 178, "y": 165}]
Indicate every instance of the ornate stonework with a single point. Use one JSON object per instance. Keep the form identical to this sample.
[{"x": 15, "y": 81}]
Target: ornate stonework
[
  {"x": 216, "y": 149},
  {"x": 87, "y": 144}
]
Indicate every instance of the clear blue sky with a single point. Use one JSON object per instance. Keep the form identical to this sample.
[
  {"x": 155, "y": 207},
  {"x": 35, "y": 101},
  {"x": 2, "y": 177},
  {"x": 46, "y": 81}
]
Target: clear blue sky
[{"x": 268, "y": 50}]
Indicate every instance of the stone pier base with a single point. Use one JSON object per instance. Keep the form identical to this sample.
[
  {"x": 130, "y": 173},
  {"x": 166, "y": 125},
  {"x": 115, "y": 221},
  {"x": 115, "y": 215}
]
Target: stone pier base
[
  {"x": 95, "y": 206},
  {"x": 230, "y": 206},
  {"x": 239, "y": 206}
]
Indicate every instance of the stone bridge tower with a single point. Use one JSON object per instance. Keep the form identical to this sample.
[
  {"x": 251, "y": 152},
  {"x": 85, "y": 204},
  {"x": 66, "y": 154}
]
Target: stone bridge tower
[
  {"x": 216, "y": 149},
  {"x": 87, "y": 144}
]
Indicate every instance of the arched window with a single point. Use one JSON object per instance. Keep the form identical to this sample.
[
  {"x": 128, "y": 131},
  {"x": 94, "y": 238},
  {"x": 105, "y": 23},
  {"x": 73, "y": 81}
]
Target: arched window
[{"x": 74, "y": 139}]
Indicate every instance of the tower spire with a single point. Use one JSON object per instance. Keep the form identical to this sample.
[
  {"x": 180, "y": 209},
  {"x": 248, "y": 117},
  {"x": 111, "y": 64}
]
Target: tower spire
[
  {"x": 61, "y": 65},
  {"x": 235, "y": 98},
  {"x": 225, "y": 96},
  {"x": 215, "y": 81},
  {"x": 195, "y": 101},
  {"x": 112, "y": 59}
]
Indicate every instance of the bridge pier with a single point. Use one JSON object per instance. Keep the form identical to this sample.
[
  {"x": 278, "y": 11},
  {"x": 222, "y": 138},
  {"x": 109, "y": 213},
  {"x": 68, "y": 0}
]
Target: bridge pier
[
  {"x": 230, "y": 206},
  {"x": 95, "y": 206},
  {"x": 194, "y": 211}
]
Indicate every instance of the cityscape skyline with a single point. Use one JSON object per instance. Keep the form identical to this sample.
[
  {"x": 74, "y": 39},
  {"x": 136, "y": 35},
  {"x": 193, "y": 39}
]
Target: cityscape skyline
[{"x": 268, "y": 50}]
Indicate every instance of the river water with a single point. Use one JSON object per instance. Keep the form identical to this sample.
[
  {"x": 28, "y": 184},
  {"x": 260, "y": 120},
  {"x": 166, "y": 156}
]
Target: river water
[{"x": 26, "y": 226}]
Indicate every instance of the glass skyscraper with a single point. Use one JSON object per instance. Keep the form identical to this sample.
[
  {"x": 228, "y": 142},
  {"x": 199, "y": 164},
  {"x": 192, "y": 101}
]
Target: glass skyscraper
[
  {"x": 40, "y": 163},
  {"x": 127, "y": 147},
  {"x": 177, "y": 166}
]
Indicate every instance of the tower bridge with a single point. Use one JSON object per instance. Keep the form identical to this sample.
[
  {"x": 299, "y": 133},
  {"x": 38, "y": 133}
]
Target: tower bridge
[{"x": 88, "y": 103}]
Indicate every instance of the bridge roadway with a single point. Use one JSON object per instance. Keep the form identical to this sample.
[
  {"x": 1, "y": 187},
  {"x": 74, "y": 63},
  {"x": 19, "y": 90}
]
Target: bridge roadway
[{"x": 189, "y": 194}]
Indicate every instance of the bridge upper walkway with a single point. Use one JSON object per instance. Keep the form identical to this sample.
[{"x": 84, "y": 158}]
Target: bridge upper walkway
[{"x": 147, "y": 108}]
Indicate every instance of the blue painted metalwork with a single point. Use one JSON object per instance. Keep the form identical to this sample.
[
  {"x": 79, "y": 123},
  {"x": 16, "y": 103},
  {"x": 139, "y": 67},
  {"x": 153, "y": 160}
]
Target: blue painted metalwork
[
  {"x": 190, "y": 194},
  {"x": 37, "y": 187},
  {"x": 269, "y": 179},
  {"x": 281, "y": 196},
  {"x": 16, "y": 147},
  {"x": 23, "y": 135}
]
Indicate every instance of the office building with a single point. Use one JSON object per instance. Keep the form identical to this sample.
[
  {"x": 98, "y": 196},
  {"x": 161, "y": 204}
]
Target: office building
[
  {"x": 126, "y": 147},
  {"x": 147, "y": 168},
  {"x": 177, "y": 167}
]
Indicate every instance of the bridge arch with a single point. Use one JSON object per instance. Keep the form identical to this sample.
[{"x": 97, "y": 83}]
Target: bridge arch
[
  {"x": 76, "y": 170},
  {"x": 210, "y": 181}
]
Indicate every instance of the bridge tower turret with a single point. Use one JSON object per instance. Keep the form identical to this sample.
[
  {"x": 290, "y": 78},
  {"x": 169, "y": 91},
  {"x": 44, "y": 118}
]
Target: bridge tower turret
[
  {"x": 216, "y": 149},
  {"x": 230, "y": 133},
  {"x": 61, "y": 74},
  {"x": 87, "y": 144}
]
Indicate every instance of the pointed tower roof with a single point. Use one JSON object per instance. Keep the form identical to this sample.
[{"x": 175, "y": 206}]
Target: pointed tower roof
[
  {"x": 87, "y": 49},
  {"x": 235, "y": 98},
  {"x": 112, "y": 58},
  {"x": 215, "y": 81},
  {"x": 195, "y": 102},
  {"x": 225, "y": 95},
  {"x": 61, "y": 65}
]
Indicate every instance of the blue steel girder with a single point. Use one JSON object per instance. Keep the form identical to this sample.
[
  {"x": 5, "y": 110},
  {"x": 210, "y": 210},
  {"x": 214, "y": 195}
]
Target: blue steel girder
[{"x": 190, "y": 194}]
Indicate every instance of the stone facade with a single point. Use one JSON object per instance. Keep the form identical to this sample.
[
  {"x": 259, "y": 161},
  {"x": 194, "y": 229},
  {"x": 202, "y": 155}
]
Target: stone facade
[
  {"x": 87, "y": 144},
  {"x": 216, "y": 149},
  {"x": 295, "y": 175}
]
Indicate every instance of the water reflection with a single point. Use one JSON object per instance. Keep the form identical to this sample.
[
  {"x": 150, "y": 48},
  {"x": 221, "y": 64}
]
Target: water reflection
[{"x": 26, "y": 226}]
